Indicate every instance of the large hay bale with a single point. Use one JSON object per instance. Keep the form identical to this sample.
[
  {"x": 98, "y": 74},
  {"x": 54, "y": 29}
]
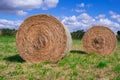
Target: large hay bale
[
  {"x": 43, "y": 38},
  {"x": 99, "y": 39}
]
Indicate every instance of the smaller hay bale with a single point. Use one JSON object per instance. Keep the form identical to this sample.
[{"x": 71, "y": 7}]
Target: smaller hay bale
[
  {"x": 99, "y": 39},
  {"x": 43, "y": 38}
]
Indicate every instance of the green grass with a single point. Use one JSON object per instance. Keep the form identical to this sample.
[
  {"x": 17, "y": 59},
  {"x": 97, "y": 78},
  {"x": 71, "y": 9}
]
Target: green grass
[
  {"x": 102, "y": 64},
  {"x": 117, "y": 68},
  {"x": 77, "y": 65}
]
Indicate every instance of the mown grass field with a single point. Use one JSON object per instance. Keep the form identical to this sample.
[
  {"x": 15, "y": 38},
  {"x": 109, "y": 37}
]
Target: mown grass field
[{"x": 75, "y": 66}]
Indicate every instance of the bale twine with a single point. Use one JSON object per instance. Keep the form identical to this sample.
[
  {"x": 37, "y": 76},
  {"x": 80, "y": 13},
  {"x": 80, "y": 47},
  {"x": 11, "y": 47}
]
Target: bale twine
[
  {"x": 43, "y": 38},
  {"x": 99, "y": 39}
]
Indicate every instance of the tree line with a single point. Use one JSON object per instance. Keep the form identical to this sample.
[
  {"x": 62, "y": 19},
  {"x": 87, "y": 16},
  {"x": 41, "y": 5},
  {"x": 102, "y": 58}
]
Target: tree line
[
  {"x": 8, "y": 32},
  {"x": 77, "y": 34},
  {"x": 118, "y": 35}
]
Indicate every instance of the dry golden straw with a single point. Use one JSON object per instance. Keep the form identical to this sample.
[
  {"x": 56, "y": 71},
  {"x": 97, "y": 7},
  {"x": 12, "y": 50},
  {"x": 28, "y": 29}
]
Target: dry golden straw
[
  {"x": 43, "y": 38},
  {"x": 99, "y": 39}
]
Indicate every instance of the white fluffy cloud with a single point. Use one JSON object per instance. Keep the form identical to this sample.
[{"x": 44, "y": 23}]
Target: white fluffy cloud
[
  {"x": 9, "y": 24},
  {"x": 49, "y": 4},
  {"x": 80, "y": 10},
  {"x": 82, "y": 21},
  {"x": 100, "y": 16},
  {"x": 85, "y": 21},
  {"x": 81, "y": 5},
  {"x": 115, "y": 16},
  {"x": 14, "y": 6},
  {"x": 21, "y": 13},
  {"x": 6, "y": 5}
]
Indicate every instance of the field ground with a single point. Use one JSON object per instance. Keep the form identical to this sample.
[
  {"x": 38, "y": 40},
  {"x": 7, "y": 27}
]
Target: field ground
[{"x": 75, "y": 66}]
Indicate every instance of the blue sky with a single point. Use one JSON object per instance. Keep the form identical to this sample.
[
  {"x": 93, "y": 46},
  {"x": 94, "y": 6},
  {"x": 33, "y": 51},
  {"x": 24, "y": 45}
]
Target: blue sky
[{"x": 75, "y": 14}]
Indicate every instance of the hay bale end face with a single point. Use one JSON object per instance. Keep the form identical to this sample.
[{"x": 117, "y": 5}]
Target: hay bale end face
[
  {"x": 99, "y": 39},
  {"x": 43, "y": 38}
]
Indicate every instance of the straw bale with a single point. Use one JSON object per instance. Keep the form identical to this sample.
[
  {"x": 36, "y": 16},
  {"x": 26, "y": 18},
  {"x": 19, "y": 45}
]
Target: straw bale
[
  {"x": 99, "y": 39},
  {"x": 43, "y": 38}
]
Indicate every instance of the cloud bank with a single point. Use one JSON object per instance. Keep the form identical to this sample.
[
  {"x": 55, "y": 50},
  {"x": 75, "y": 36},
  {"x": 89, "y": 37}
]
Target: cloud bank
[
  {"x": 84, "y": 21},
  {"x": 4, "y": 24},
  {"x": 21, "y": 6},
  {"x": 81, "y": 22}
]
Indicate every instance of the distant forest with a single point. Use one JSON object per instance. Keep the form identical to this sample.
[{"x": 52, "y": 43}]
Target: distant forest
[
  {"x": 77, "y": 34},
  {"x": 8, "y": 32}
]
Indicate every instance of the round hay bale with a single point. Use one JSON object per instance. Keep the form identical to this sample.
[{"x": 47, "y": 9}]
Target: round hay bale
[
  {"x": 99, "y": 39},
  {"x": 43, "y": 38}
]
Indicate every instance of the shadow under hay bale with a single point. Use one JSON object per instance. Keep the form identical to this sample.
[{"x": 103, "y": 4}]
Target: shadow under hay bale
[
  {"x": 43, "y": 38},
  {"x": 14, "y": 58},
  {"x": 78, "y": 52},
  {"x": 99, "y": 39}
]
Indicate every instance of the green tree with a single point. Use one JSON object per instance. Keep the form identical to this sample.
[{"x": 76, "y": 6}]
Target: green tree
[
  {"x": 78, "y": 34},
  {"x": 8, "y": 32},
  {"x": 118, "y": 35}
]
